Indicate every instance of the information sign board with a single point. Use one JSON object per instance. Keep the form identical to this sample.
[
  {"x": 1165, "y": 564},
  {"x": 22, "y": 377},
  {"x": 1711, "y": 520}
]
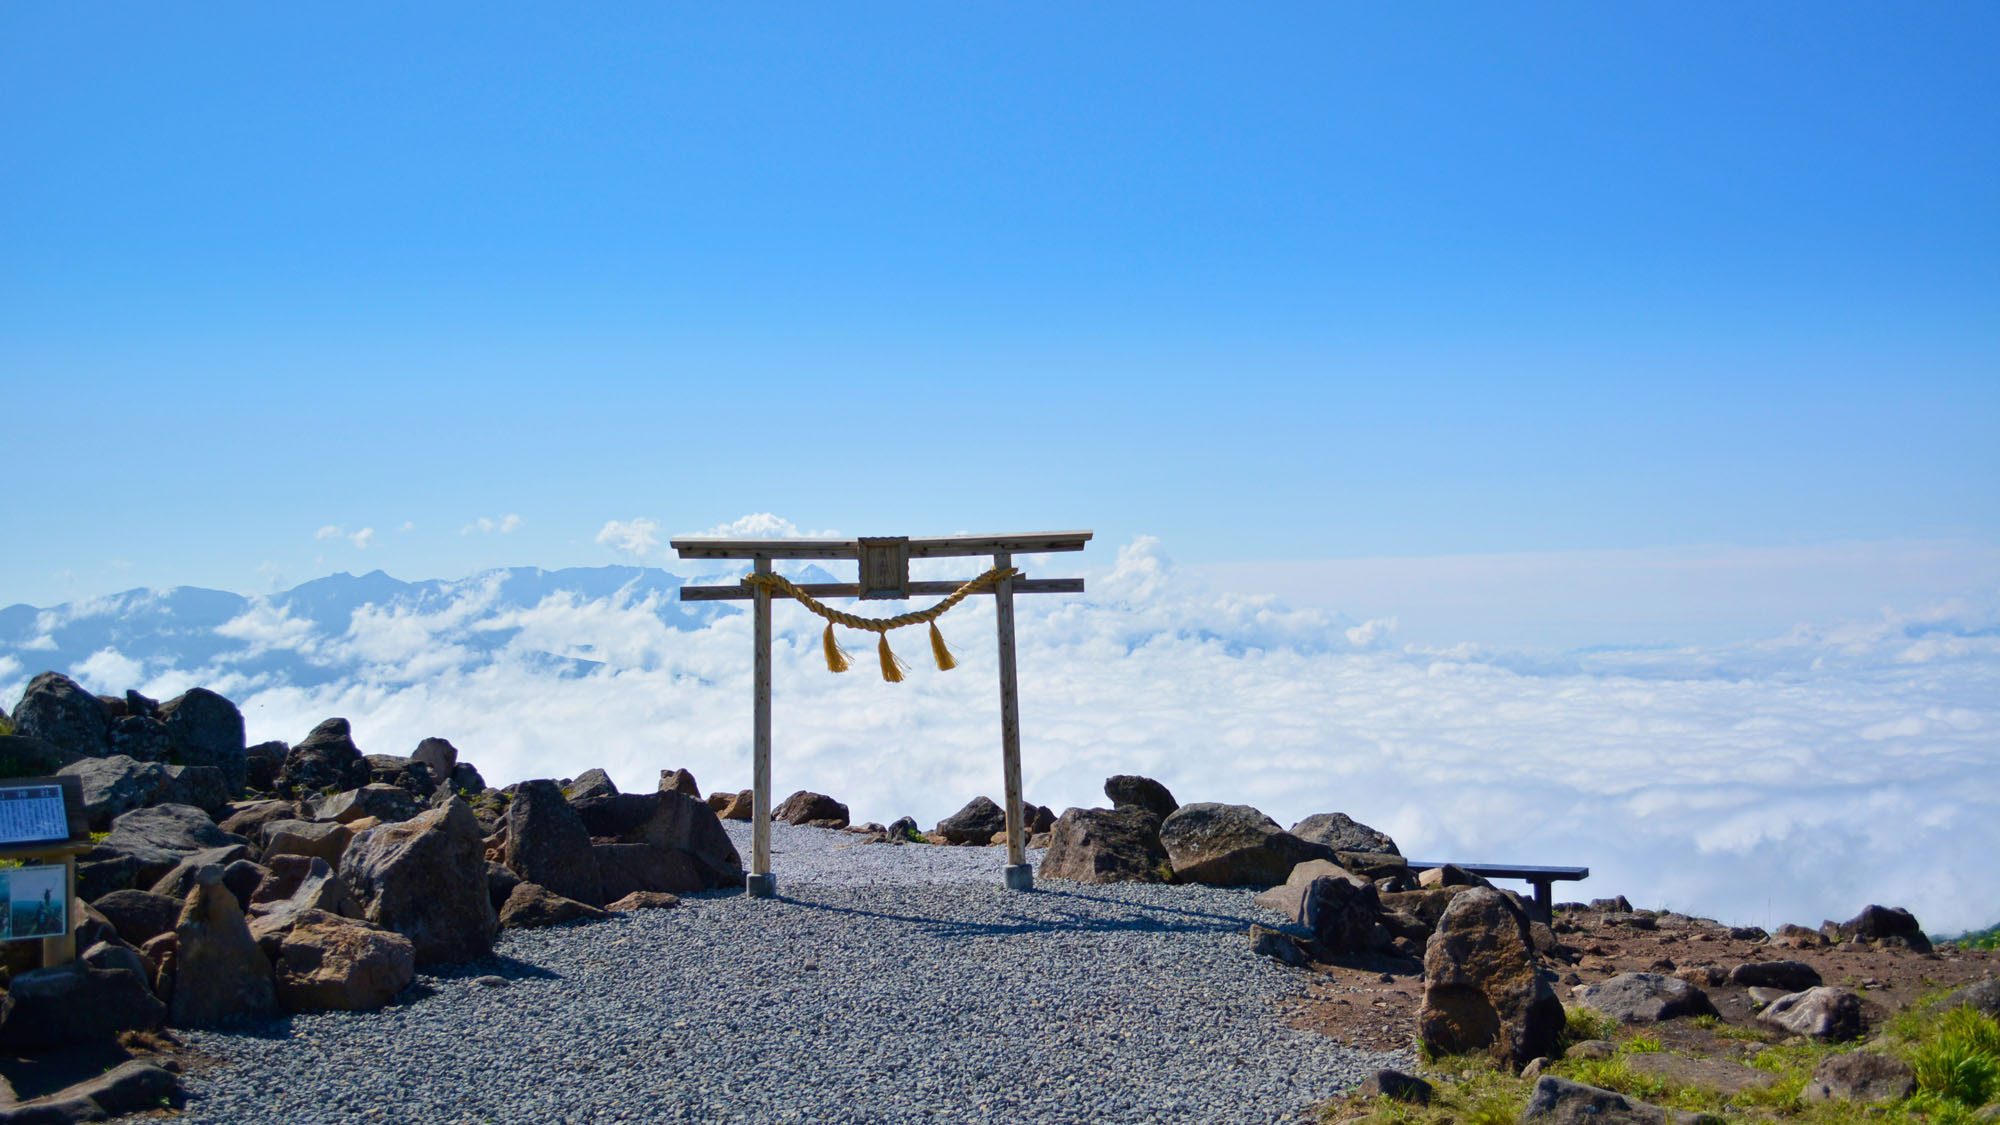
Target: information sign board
[
  {"x": 34, "y": 902},
  {"x": 40, "y": 811}
]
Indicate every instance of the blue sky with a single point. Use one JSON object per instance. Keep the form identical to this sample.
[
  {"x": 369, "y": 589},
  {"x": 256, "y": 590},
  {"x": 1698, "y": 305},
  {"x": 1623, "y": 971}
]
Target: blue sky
[{"x": 1313, "y": 283}]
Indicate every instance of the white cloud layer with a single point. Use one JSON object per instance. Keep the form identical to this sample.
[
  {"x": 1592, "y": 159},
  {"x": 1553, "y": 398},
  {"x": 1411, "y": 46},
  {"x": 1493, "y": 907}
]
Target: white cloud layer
[
  {"x": 1792, "y": 779},
  {"x": 505, "y": 525}
]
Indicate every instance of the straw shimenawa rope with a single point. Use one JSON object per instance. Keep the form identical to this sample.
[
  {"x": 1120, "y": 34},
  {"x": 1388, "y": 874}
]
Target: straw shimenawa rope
[{"x": 892, "y": 668}]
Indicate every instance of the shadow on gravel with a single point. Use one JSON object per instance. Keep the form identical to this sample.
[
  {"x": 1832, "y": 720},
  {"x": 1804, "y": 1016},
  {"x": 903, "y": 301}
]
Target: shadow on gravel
[
  {"x": 497, "y": 965},
  {"x": 1145, "y": 918}
]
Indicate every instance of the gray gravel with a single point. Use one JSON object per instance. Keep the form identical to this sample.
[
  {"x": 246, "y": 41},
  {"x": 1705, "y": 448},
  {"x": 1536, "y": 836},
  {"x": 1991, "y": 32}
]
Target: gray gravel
[{"x": 886, "y": 984}]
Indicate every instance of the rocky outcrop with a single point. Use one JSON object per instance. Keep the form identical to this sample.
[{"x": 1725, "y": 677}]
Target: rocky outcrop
[
  {"x": 1888, "y": 925},
  {"x": 425, "y": 878},
  {"x": 179, "y": 880},
  {"x": 408, "y": 774},
  {"x": 816, "y": 809},
  {"x": 326, "y": 760},
  {"x": 1860, "y": 1076},
  {"x": 1128, "y": 789},
  {"x": 1449, "y": 875},
  {"x": 974, "y": 824},
  {"x": 261, "y": 764},
  {"x": 1830, "y": 1015},
  {"x": 742, "y": 806},
  {"x": 248, "y": 818},
  {"x": 1344, "y": 834},
  {"x": 680, "y": 781},
  {"x": 1645, "y": 998},
  {"x": 58, "y": 711},
  {"x": 219, "y": 973},
  {"x": 1232, "y": 845},
  {"x": 207, "y": 730},
  {"x": 1120, "y": 845},
  {"x": 326, "y": 962},
  {"x": 1983, "y": 996},
  {"x": 548, "y": 844},
  {"x": 1482, "y": 991},
  {"x": 530, "y": 906}
]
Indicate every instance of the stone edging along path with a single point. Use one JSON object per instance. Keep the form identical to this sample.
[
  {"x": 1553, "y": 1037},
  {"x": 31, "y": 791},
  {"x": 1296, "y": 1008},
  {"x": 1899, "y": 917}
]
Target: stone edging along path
[{"x": 885, "y": 984}]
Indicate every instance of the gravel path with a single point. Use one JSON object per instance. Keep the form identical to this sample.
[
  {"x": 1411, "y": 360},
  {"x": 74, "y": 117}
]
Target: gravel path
[{"x": 886, "y": 984}]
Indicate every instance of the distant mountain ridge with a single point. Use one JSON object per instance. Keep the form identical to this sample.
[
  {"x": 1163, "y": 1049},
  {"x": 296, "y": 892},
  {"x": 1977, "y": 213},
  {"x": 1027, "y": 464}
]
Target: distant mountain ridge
[{"x": 190, "y": 628}]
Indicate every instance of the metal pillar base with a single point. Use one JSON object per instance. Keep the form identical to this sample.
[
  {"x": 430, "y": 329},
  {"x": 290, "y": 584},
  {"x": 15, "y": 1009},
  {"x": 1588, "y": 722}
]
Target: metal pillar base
[
  {"x": 1019, "y": 876},
  {"x": 761, "y": 886}
]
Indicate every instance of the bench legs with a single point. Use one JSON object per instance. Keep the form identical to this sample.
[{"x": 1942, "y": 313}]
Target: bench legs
[{"x": 1545, "y": 900}]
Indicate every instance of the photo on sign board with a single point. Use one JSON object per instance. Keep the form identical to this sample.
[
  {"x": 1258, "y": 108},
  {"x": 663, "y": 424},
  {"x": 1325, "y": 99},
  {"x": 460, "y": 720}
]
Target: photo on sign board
[{"x": 35, "y": 903}]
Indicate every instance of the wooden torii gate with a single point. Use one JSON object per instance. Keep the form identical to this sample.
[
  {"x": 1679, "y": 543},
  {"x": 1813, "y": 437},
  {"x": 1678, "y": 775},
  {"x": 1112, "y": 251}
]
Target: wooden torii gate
[{"x": 884, "y": 573}]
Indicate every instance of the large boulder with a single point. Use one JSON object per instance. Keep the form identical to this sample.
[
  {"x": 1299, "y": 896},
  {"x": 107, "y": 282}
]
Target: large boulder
[
  {"x": 1482, "y": 988},
  {"x": 1830, "y": 1015},
  {"x": 219, "y": 973},
  {"x": 625, "y": 869},
  {"x": 1120, "y": 845},
  {"x": 317, "y": 887},
  {"x": 159, "y": 837},
  {"x": 975, "y": 823},
  {"x": 58, "y": 711},
  {"x": 592, "y": 782},
  {"x": 1791, "y": 976},
  {"x": 387, "y": 803},
  {"x": 1860, "y": 1076},
  {"x": 440, "y": 757},
  {"x": 548, "y": 844},
  {"x": 816, "y": 809},
  {"x": 139, "y": 916},
  {"x": 741, "y": 806},
  {"x": 248, "y": 818},
  {"x": 674, "y": 820},
  {"x": 1232, "y": 846},
  {"x": 181, "y": 878},
  {"x": 75, "y": 1005},
  {"x": 1983, "y": 996},
  {"x": 201, "y": 786},
  {"x": 680, "y": 781},
  {"x": 408, "y": 774},
  {"x": 1344, "y": 834},
  {"x": 115, "y": 785},
  {"x": 139, "y": 736},
  {"x": 207, "y": 730},
  {"x": 529, "y": 906},
  {"x": 326, "y": 962},
  {"x": 1645, "y": 998},
  {"x": 326, "y": 760},
  {"x": 425, "y": 878},
  {"x": 22, "y": 756},
  {"x": 326, "y": 839},
  {"x": 1559, "y": 1101},
  {"x": 1888, "y": 925},
  {"x": 261, "y": 765},
  {"x": 1131, "y": 790}
]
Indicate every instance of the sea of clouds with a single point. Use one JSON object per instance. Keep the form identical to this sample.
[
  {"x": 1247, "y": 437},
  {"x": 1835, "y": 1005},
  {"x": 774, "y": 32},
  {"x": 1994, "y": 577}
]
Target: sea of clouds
[{"x": 1795, "y": 778}]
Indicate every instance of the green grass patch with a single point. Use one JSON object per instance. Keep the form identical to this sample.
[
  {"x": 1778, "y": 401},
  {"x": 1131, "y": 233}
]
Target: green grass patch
[{"x": 1580, "y": 1023}]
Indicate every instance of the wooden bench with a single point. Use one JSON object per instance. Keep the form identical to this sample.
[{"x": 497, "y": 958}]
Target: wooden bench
[{"x": 1543, "y": 878}]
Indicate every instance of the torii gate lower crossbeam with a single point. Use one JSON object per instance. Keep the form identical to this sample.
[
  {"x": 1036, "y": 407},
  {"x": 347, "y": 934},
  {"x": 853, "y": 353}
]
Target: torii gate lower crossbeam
[{"x": 884, "y": 573}]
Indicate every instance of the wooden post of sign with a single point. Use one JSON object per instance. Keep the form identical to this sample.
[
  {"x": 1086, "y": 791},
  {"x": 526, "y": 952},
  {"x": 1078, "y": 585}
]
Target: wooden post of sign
[
  {"x": 1019, "y": 876},
  {"x": 761, "y": 883},
  {"x": 61, "y": 949}
]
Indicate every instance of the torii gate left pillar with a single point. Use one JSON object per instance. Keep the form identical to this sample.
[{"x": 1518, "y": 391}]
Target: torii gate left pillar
[{"x": 884, "y": 573}]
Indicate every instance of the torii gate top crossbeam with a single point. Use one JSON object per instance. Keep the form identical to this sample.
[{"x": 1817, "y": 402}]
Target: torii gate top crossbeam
[{"x": 1031, "y": 543}]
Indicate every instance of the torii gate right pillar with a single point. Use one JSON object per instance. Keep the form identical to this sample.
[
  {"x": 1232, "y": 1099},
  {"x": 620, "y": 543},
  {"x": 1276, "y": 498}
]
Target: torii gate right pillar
[{"x": 1019, "y": 876}]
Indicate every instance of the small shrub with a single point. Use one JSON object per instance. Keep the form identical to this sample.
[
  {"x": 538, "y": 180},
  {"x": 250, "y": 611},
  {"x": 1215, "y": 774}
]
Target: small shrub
[
  {"x": 1641, "y": 1044},
  {"x": 1581, "y": 1023},
  {"x": 1960, "y": 1061}
]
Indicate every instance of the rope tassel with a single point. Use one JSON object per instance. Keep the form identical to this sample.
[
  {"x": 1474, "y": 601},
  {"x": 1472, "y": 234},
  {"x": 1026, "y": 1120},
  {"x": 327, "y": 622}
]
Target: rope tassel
[
  {"x": 892, "y": 668},
  {"x": 836, "y": 657},
  {"x": 944, "y": 661}
]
